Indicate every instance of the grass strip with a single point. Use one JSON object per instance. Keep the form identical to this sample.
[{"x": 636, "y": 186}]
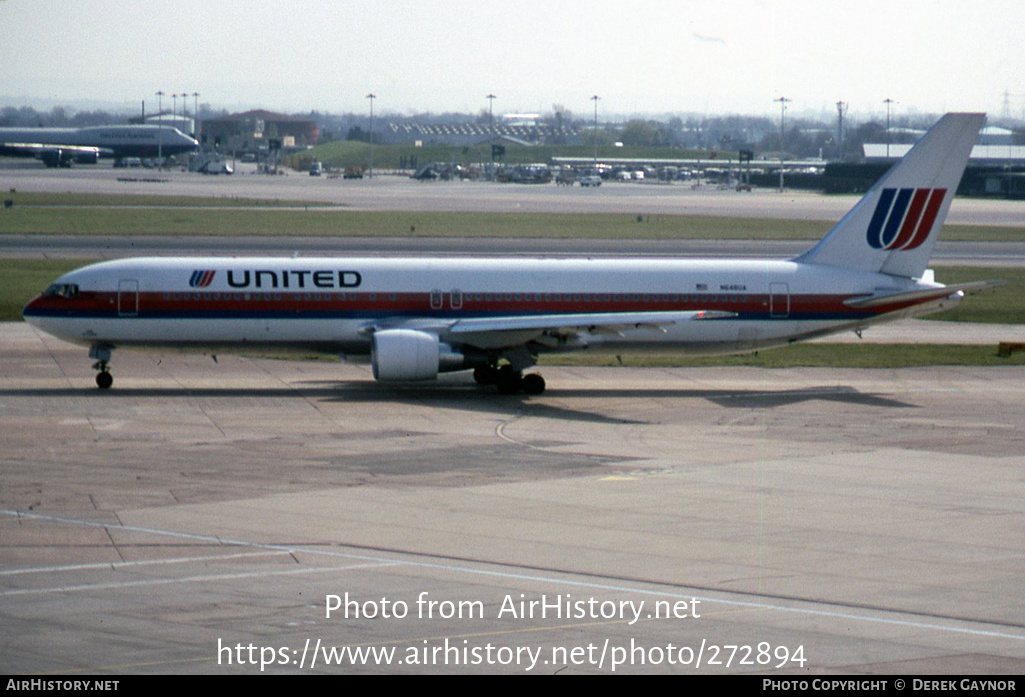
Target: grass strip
[
  {"x": 287, "y": 218},
  {"x": 809, "y": 355}
]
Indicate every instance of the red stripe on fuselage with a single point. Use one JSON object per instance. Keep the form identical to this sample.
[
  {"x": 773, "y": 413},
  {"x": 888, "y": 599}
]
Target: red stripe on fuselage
[{"x": 300, "y": 305}]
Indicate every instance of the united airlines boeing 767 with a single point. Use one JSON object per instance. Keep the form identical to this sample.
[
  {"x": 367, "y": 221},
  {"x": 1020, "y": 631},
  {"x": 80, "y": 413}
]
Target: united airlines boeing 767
[{"x": 418, "y": 317}]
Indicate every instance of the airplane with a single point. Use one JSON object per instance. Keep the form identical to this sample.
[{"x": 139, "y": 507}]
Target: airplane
[
  {"x": 58, "y": 147},
  {"x": 415, "y": 318}
]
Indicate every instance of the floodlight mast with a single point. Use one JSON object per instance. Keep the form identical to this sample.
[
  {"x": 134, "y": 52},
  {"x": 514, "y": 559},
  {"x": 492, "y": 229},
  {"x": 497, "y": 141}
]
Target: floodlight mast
[
  {"x": 491, "y": 125},
  {"x": 371, "y": 97},
  {"x": 841, "y": 110},
  {"x": 888, "y": 102},
  {"x": 782, "y": 135},
  {"x": 160, "y": 126}
]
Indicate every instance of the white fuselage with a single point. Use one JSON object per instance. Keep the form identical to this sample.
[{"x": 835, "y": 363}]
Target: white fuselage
[
  {"x": 327, "y": 304},
  {"x": 118, "y": 141}
]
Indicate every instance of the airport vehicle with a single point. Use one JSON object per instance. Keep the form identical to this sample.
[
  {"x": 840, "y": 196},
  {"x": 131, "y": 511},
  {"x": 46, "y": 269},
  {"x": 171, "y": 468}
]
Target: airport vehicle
[
  {"x": 59, "y": 147},
  {"x": 211, "y": 164},
  {"x": 418, "y": 317}
]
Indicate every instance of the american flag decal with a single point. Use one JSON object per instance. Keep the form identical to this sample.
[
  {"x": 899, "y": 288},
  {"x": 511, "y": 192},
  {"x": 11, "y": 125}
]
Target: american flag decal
[
  {"x": 201, "y": 278},
  {"x": 904, "y": 217}
]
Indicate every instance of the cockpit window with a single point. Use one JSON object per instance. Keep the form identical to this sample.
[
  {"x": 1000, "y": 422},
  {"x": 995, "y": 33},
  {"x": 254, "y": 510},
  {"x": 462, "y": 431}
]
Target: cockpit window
[{"x": 64, "y": 290}]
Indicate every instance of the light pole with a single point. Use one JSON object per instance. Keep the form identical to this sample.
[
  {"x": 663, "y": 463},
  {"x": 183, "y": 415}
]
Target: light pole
[
  {"x": 160, "y": 125},
  {"x": 371, "y": 97},
  {"x": 195, "y": 115},
  {"x": 491, "y": 125},
  {"x": 841, "y": 109},
  {"x": 888, "y": 102},
  {"x": 782, "y": 135},
  {"x": 595, "y": 99}
]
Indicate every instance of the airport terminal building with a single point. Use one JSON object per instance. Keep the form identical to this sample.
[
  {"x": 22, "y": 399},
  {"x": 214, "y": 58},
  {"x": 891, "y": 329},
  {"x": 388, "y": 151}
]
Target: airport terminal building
[{"x": 258, "y": 130}]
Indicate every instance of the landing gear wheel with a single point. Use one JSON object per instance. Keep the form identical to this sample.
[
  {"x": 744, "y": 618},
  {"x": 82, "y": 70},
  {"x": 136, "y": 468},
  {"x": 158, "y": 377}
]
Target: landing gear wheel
[
  {"x": 104, "y": 380},
  {"x": 508, "y": 380},
  {"x": 532, "y": 384},
  {"x": 485, "y": 375}
]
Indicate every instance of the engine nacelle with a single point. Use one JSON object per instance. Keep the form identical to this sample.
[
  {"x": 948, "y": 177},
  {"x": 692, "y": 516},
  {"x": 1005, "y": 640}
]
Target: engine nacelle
[
  {"x": 405, "y": 354},
  {"x": 409, "y": 354}
]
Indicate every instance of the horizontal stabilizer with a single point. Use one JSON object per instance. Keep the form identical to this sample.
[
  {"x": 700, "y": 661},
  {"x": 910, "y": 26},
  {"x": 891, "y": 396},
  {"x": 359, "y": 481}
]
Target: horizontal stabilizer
[{"x": 918, "y": 296}]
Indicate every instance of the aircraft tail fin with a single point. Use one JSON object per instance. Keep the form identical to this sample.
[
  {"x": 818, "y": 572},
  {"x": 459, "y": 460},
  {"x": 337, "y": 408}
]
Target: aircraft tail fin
[{"x": 894, "y": 227}]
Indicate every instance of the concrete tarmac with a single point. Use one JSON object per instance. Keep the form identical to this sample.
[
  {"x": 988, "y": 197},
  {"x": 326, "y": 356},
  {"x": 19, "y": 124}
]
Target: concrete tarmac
[
  {"x": 400, "y": 193},
  {"x": 204, "y": 517},
  {"x": 211, "y": 518}
]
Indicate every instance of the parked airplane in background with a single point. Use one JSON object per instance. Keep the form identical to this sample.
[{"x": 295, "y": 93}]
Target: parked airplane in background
[
  {"x": 418, "y": 317},
  {"x": 58, "y": 147}
]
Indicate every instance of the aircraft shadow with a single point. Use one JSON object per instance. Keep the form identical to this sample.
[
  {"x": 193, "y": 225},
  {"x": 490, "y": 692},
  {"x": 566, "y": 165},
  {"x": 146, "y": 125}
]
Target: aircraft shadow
[
  {"x": 467, "y": 397},
  {"x": 749, "y": 399},
  {"x": 474, "y": 398},
  {"x": 283, "y": 392}
]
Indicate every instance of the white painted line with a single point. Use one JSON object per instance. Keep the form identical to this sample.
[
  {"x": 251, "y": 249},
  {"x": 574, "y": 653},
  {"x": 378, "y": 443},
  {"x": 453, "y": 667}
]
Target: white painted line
[{"x": 888, "y": 617}]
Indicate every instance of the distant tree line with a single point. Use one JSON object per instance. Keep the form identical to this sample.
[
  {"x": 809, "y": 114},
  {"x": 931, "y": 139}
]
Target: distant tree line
[
  {"x": 805, "y": 137},
  {"x": 66, "y": 117},
  {"x": 57, "y": 117}
]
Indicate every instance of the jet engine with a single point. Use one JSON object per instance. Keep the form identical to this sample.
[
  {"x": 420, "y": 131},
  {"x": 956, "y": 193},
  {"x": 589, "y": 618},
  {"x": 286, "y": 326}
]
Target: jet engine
[{"x": 408, "y": 354}]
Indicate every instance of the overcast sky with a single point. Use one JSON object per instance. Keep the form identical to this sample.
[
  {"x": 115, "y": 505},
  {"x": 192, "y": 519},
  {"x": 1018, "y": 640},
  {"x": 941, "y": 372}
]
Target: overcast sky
[{"x": 651, "y": 56}]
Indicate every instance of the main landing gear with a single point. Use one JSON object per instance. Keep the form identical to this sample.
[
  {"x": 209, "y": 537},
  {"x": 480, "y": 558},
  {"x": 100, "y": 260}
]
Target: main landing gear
[
  {"x": 102, "y": 355},
  {"x": 508, "y": 380}
]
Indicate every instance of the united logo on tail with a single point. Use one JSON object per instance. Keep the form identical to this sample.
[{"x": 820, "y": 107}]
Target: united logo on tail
[{"x": 891, "y": 229}]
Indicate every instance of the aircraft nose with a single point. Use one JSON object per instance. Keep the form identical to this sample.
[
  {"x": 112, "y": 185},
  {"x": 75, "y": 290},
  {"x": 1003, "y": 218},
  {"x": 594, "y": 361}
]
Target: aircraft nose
[{"x": 30, "y": 311}]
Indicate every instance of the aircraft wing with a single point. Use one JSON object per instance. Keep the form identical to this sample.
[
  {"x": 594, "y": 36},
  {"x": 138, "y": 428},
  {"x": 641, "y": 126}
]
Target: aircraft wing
[
  {"x": 37, "y": 149},
  {"x": 614, "y": 322},
  {"x": 889, "y": 298},
  {"x": 498, "y": 332},
  {"x": 54, "y": 154}
]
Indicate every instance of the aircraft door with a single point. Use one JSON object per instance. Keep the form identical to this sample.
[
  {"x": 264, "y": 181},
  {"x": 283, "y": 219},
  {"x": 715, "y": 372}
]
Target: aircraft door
[
  {"x": 779, "y": 300},
  {"x": 128, "y": 298}
]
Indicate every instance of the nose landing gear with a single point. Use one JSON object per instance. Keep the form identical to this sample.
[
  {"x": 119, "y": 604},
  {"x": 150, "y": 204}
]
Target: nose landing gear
[
  {"x": 102, "y": 355},
  {"x": 103, "y": 378}
]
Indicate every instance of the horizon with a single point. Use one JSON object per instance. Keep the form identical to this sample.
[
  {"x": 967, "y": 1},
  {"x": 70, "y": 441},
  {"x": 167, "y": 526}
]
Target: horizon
[
  {"x": 440, "y": 56},
  {"x": 123, "y": 110}
]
